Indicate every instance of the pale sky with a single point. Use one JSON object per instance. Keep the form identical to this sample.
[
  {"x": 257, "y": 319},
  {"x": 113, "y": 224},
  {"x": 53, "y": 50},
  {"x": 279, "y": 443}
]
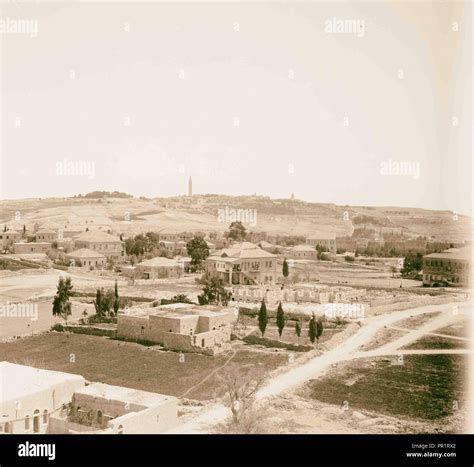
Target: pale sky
[{"x": 244, "y": 97}]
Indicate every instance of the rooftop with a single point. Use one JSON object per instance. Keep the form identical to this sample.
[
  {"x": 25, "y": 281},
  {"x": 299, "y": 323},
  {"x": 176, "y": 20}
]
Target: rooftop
[
  {"x": 160, "y": 262},
  {"x": 178, "y": 310},
  {"x": 452, "y": 253},
  {"x": 322, "y": 236},
  {"x": 96, "y": 236},
  {"x": 244, "y": 253},
  {"x": 125, "y": 395},
  {"x": 303, "y": 248},
  {"x": 17, "y": 381},
  {"x": 85, "y": 253},
  {"x": 45, "y": 231}
]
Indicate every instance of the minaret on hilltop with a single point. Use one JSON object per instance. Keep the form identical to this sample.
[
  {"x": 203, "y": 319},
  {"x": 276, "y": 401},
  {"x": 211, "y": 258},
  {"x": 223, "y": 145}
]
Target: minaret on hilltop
[{"x": 190, "y": 187}]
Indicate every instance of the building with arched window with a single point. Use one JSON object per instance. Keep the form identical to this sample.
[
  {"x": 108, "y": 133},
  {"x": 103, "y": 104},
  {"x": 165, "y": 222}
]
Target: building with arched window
[{"x": 29, "y": 394}]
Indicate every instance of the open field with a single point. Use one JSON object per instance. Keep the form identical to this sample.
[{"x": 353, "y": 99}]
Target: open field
[
  {"x": 438, "y": 342},
  {"x": 414, "y": 322},
  {"x": 424, "y": 387},
  {"x": 383, "y": 337},
  {"x": 457, "y": 329},
  {"x": 132, "y": 365}
]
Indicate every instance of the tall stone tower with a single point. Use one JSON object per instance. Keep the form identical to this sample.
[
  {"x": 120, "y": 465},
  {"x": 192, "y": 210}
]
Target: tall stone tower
[{"x": 190, "y": 187}]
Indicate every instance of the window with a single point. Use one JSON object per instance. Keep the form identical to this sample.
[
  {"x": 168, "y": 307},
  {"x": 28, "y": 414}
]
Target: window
[
  {"x": 27, "y": 422},
  {"x": 99, "y": 417}
]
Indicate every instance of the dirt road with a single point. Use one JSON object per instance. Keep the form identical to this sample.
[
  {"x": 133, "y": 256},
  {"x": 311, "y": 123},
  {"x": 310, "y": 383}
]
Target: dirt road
[{"x": 314, "y": 368}]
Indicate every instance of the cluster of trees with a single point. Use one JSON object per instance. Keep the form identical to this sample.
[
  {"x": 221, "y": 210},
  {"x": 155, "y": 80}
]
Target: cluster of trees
[
  {"x": 107, "y": 301},
  {"x": 413, "y": 262},
  {"x": 104, "y": 194},
  {"x": 143, "y": 244},
  {"x": 198, "y": 251},
  {"x": 214, "y": 292},
  {"x": 236, "y": 232},
  {"x": 315, "y": 326}
]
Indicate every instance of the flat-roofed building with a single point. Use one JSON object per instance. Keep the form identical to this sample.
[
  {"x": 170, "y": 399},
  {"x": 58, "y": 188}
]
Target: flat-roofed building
[
  {"x": 327, "y": 241},
  {"x": 86, "y": 258},
  {"x": 451, "y": 267},
  {"x": 31, "y": 248},
  {"x": 159, "y": 268},
  {"x": 33, "y": 400},
  {"x": 9, "y": 237},
  {"x": 118, "y": 410},
  {"x": 46, "y": 235},
  {"x": 28, "y": 396},
  {"x": 181, "y": 327},
  {"x": 101, "y": 242},
  {"x": 303, "y": 252}
]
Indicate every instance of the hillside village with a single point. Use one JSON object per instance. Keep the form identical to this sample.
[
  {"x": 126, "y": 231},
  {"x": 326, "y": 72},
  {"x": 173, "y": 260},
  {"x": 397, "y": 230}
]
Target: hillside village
[{"x": 224, "y": 286}]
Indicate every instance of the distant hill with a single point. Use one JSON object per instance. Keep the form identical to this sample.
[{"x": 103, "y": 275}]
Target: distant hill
[{"x": 123, "y": 213}]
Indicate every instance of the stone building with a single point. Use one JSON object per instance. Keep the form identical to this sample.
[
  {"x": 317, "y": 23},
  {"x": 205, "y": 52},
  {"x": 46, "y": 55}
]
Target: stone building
[
  {"x": 86, "y": 258},
  {"x": 30, "y": 395},
  {"x": 451, "y": 267},
  {"x": 46, "y": 235},
  {"x": 101, "y": 242},
  {"x": 326, "y": 241},
  {"x": 180, "y": 327},
  {"x": 9, "y": 237},
  {"x": 31, "y": 248},
  {"x": 33, "y": 400},
  {"x": 159, "y": 268},
  {"x": 303, "y": 252},
  {"x": 243, "y": 266}
]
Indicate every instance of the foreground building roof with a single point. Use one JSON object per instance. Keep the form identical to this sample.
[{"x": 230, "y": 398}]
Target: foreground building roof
[{"x": 17, "y": 381}]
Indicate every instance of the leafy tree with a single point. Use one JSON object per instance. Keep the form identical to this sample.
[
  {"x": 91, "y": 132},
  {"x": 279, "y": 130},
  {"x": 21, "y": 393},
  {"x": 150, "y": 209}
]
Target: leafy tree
[
  {"x": 319, "y": 328},
  {"x": 349, "y": 259},
  {"x": 179, "y": 298},
  {"x": 61, "y": 304},
  {"x": 312, "y": 330},
  {"x": 103, "y": 302},
  {"x": 298, "y": 330},
  {"x": 214, "y": 292},
  {"x": 286, "y": 269},
  {"x": 236, "y": 231},
  {"x": 412, "y": 262},
  {"x": 262, "y": 318},
  {"x": 116, "y": 299},
  {"x": 280, "y": 319},
  {"x": 198, "y": 251}
]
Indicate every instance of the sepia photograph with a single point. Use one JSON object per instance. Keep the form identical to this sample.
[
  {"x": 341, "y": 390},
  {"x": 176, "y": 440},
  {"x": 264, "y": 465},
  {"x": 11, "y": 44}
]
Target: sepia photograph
[{"x": 236, "y": 218}]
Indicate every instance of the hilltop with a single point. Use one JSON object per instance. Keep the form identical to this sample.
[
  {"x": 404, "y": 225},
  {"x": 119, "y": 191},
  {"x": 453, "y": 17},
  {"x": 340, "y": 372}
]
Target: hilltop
[{"x": 123, "y": 213}]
